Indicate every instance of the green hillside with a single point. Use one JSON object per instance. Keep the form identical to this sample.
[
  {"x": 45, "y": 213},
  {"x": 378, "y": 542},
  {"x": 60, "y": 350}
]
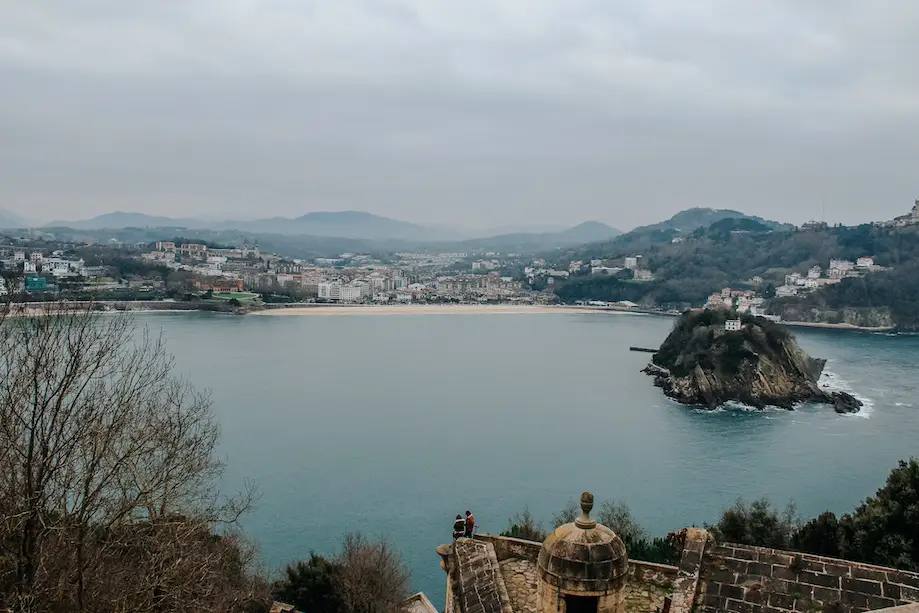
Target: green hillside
[{"x": 730, "y": 253}]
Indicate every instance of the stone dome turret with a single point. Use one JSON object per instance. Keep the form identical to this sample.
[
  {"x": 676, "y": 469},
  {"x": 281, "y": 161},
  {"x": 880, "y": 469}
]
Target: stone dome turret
[{"x": 583, "y": 557}]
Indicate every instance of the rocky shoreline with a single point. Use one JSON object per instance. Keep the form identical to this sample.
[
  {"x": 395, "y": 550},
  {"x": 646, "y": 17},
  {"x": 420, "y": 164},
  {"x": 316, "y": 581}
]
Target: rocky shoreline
[
  {"x": 697, "y": 390},
  {"x": 712, "y": 357}
]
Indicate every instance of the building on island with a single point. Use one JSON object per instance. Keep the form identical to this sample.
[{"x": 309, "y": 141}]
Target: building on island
[
  {"x": 632, "y": 262},
  {"x": 584, "y": 567}
]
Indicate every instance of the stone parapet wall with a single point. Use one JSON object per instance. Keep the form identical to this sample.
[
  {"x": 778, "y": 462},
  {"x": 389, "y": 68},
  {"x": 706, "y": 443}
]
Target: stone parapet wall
[
  {"x": 507, "y": 547},
  {"x": 649, "y": 572},
  {"x": 475, "y": 579},
  {"x": 645, "y": 597},
  {"x": 647, "y": 586},
  {"x": 744, "y": 579}
]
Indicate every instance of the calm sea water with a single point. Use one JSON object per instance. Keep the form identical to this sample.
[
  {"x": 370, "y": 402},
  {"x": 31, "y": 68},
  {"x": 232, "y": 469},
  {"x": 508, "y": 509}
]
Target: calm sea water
[{"x": 393, "y": 424}]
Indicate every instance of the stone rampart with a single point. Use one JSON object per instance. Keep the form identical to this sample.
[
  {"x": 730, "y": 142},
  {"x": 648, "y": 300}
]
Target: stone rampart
[
  {"x": 744, "y": 579},
  {"x": 507, "y": 547},
  {"x": 710, "y": 578},
  {"x": 647, "y": 584},
  {"x": 649, "y": 572}
]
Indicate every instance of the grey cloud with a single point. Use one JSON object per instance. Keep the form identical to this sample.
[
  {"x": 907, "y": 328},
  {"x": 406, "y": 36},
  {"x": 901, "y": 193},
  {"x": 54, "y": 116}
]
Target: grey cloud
[{"x": 479, "y": 113}]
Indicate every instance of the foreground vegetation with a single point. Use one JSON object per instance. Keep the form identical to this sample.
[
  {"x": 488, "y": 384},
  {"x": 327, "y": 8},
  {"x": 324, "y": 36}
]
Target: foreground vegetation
[
  {"x": 108, "y": 475},
  {"x": 882, "y": 530},
  {"x": 108, "y": 486}
]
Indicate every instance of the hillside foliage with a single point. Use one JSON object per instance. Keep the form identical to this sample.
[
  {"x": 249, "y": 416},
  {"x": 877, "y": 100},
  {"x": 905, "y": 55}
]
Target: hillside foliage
[
  {"x": 731, "y": 252},
  {"x": 883, "y": 530}
]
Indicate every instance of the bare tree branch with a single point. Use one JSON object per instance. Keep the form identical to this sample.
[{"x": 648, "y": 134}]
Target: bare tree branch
[{"x": 108, "y": 473}]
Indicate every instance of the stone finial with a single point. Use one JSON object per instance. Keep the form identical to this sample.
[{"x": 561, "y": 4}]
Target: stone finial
[{"x": 584, "y": 521}]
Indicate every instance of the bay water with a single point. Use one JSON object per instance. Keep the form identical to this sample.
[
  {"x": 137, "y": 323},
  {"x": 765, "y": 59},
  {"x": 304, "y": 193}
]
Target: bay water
[{"x": 393, "y": 424}]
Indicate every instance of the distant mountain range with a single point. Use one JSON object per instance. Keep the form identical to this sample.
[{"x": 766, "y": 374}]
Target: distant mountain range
[
  {"x": 382, "y": 232},
  {"x": 352, "y": 225},
  {"x": 587, "y": 232},
  {"x": 11, "y": 220}
]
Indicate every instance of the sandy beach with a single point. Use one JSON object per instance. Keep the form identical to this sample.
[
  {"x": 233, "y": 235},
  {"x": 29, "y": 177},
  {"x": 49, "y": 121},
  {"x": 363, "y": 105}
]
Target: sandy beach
[{"x": 425, "y": 309}]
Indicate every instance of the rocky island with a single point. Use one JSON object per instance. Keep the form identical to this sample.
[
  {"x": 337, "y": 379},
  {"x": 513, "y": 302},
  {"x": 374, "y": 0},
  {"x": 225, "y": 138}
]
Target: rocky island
[{"x": 713, "y": 356}]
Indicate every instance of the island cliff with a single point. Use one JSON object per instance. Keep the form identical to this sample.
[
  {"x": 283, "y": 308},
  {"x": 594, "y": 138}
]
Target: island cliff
[{"x": 761, "y": 364}]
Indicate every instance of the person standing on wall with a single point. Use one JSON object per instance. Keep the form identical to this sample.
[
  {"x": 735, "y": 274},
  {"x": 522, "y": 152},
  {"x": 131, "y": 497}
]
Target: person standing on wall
[
  {"x": 459, "y": 527},
  {"x": 470, "y": 525}
]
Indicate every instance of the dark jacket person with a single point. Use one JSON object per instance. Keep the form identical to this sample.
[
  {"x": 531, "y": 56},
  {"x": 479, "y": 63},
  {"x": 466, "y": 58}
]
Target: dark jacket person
[{"x": 459, "y": 527}]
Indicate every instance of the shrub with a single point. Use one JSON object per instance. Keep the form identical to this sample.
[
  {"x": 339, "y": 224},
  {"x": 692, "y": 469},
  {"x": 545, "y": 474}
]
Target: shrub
[
  {"x": 756, "y": 523},
  {"x": 364, "y": 577},
  {"x": 524, "y": 526}
]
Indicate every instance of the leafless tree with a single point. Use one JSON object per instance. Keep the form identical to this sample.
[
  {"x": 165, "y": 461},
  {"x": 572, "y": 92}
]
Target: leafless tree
[
  {"x": 373, "y": 578},
  {"x": 108, "y": 472}
]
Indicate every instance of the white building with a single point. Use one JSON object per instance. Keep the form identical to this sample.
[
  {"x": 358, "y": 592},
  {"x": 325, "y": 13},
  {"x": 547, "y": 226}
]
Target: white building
[
  {"x": 604, "y": 270},
  {"x": 3, "y": 290},
  {"x": 786, "y": 291},
  {"x": 864, "y": 262},
  {"x": 841, "y": 265},
  {"x": 814, "y": 273},
  {"x": 733, "y": 325},
  {"x": 632, "y": 262},
  {"x": 353, "y": 292},
  {"x": 60, "y": 267},
  {"x": 330, "y": 290}
]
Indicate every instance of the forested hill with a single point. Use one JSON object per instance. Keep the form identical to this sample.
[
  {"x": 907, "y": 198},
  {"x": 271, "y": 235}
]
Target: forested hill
[
  {"x": 681, "y": 225},
  {"x": 730, "y": 253}
]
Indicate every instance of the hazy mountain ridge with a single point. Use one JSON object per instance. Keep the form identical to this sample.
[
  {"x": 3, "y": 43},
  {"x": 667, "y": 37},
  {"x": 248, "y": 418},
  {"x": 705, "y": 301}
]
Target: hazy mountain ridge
[
  {"x": 350, "y": 225},
  {"x": 11, "y": 220},
  {"x": 587, "y": 232}
]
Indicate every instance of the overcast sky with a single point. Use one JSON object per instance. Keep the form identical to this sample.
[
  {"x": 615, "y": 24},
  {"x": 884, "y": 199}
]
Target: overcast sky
[{"x": 469, "y": 112}]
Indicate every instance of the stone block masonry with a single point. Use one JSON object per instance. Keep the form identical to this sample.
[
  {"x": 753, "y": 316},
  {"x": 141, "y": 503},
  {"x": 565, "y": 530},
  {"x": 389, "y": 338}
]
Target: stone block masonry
[
  {"x": 646, "y": 587},
  {"x": 498, "y": 575},
  {"x": 476, "y": 579},
  {"x": 743, "y": 579}
]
